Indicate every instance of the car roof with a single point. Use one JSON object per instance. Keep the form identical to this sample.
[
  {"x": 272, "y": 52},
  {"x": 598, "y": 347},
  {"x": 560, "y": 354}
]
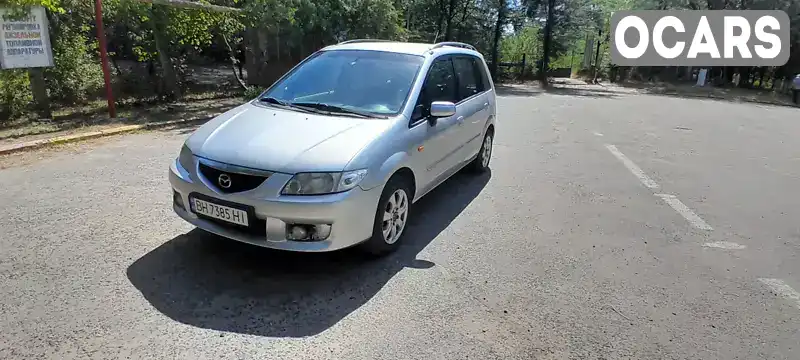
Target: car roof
[{"x": 403, "y": 47}]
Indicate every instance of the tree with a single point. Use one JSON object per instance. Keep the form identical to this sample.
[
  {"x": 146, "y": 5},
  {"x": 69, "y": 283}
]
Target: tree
[
  {"x": 502, "y": 8},
  {"x": 563, "y": 24},
  {"x": 547, "y": 38}
]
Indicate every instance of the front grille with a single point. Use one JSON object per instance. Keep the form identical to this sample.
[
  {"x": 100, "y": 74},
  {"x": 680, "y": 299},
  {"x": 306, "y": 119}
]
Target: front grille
[{"x": 238, "y": 182}]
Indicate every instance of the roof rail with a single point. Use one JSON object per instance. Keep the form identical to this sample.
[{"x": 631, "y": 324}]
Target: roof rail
[
  {"x": 453, "y": 43},
  {"x": 362, "y": 41}
]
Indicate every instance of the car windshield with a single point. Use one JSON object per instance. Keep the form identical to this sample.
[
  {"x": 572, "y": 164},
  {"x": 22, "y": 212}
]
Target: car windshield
[{"x": 367, "y": 81}]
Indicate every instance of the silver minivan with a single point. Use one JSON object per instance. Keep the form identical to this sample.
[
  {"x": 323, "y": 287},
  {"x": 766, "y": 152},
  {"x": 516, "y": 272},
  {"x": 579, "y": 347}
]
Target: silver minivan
[{"x": 334, "y": 153}]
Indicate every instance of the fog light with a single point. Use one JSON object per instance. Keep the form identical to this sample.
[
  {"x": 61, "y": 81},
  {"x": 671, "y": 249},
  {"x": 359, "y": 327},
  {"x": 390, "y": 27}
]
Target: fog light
[
  {"x": 178, "y": 200},
  {"x": 308, "y": 232},
  {"x": 321, "y": 232},
  {"x": 298, "y": 232}
]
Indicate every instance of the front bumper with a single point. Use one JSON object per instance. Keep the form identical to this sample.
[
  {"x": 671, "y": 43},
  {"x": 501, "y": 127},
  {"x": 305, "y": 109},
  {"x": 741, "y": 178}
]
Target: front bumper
[{"x": 351, "y": 214}]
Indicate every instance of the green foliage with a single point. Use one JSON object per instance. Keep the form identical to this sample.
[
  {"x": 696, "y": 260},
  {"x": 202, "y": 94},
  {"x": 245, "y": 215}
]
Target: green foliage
[
  {"x": 77, "y": 74},
  {"x": 51, "y": 5},
  {"x": 371, "y": 18},
  {"x": 132, "y": 30},
  {"x": 571, "y": 20},
  {"x": 15, "y": 94},
  {"x": 524, "y": 41},
  {"x": 252, "y": 92}
]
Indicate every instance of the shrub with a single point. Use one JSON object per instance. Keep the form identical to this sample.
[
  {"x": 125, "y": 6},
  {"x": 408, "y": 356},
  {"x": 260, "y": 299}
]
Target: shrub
[
  {"x": 15, "y": 94},
  {"x": 252, "y": 92},
  {"x": 77, "y": 75}
]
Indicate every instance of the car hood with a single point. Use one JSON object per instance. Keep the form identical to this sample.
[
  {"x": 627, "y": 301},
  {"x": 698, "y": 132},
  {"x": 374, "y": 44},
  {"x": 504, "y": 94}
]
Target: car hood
[{"x": 286, "y": 141}]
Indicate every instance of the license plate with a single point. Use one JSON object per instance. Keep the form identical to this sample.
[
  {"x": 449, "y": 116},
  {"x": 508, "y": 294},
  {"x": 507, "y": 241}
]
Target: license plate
[{"x": 220, "y": 212}]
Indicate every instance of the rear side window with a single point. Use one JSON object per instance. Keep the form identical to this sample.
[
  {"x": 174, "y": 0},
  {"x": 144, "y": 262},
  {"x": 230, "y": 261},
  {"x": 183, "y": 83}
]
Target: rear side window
[
  {"x": 440, "y": 85},
  {"x": 480, "y": 69},
  {"x": 469, "y": 79}
]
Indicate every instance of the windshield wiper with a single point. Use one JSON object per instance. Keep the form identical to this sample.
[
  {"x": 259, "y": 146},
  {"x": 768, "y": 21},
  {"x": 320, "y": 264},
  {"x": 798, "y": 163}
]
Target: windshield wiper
[
  {"x": 337, "y": 109},
  {"x": 279, "y": 102},
  {"x": 275, "y": 101}
]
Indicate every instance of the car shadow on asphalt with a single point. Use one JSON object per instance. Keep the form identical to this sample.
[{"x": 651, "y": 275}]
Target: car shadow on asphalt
[{"x": 206, "y": 281}]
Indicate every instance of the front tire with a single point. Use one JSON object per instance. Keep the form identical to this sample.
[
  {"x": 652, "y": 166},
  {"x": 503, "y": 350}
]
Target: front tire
[
  {"x": 481, "y": 162},
  {"x": 391, "y": 218}
]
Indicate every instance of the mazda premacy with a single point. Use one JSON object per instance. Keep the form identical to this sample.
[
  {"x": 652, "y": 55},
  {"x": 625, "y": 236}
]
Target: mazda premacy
[{"x": 333, "y": 154}]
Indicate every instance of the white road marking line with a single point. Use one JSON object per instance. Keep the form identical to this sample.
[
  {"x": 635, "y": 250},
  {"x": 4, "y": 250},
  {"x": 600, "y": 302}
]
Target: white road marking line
[
  {"x": 647, "y": 181},
  {"x": 684, "y": 210},
  {"x": 672, "y": 200},
  {"x": 597, "y": 134},
  {"x": 780, "y": 287},
  {"x": 724, "y": 245}
]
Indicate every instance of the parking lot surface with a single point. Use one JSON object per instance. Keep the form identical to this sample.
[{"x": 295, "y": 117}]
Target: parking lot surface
[{"x": 611, "y": 226}]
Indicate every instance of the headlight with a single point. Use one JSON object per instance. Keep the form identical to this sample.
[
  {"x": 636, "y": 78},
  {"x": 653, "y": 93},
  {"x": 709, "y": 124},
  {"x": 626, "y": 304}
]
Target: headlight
[
  {"x": 323, "y": 183},
  {"x": 185, "y": 157}
]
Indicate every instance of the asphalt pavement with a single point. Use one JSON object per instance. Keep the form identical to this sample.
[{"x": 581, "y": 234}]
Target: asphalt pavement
[{"x": 611, "y": 226}]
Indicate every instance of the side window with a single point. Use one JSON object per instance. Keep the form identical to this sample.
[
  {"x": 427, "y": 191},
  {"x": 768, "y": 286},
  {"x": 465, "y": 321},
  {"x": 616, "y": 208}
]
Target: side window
[
  {"x": 440, "y": 85},
  {"x": 469, "y": 81},
  {"x": 480, "y": 69}
]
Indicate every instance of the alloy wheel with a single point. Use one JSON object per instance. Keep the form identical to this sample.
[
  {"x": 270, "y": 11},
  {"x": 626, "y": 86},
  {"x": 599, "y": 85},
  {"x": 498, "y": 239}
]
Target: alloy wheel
[
  {"x": 395, "y": 216},
  {"x": 487, "y": 150}
]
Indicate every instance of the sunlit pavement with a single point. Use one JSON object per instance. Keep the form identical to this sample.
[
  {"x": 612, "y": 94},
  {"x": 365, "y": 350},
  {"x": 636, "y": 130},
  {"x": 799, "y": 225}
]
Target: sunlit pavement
[{"x": 611, "y": 226}]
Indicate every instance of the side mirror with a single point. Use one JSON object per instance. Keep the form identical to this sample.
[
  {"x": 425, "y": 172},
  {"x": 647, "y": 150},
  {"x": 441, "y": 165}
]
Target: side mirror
[{"x": 442, "y": 109}]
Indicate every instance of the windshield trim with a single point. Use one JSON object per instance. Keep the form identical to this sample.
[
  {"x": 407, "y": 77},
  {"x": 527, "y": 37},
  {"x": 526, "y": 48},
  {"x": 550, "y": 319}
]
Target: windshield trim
[{"x": 317, "y": 53}]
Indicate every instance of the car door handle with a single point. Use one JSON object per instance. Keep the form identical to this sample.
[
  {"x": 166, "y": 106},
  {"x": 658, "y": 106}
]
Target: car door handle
[
  {"x": 460, "y": 120},
  {"x": 485, "y": 105}
]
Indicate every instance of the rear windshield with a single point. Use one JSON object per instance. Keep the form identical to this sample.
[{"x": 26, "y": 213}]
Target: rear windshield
[{"x": 373, "y": 81}]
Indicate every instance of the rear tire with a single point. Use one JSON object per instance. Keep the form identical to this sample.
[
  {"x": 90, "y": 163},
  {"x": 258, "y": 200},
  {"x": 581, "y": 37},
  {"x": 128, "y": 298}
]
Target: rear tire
[
  {"x": 391, "y": 218},
  {"x": 481, "y": 162}
]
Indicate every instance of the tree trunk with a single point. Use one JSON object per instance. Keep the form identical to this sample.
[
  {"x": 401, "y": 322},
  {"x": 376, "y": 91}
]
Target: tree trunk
[
  {"x": 597, "y": 55},
  {"x": 498, "y": 31},
  {"x": 39, "y": 90},
  {"x": 256, "y": 56},
  {"x": 451, "y": 12},
  {"x": 464, "y": 19},
  {"x": 744, "y": 80},
  {"x": 170, "y": 78},
  {"x": 440, "y": 21},
  {"x": 548, "y": 27},
  {"x": 408, "y": 14},
  {"x": 728, "y": 77},
  {"x": 278, "y": 44},
  {"x": 234, "y": 62}
]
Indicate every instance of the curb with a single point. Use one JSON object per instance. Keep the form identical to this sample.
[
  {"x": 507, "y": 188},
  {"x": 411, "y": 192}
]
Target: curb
[{"x": 35, "y": 144}]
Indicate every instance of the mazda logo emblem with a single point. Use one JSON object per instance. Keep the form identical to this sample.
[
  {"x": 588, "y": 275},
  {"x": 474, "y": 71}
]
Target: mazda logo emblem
[{"x": 224, "y": 180}]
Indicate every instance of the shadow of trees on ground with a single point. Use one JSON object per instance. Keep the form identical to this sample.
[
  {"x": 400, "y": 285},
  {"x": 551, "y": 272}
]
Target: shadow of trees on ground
[
  {"x": 206, "y": 281},
  {"x": 555, "y": 89},
  {"x": 684, "y": 91},
  {"x": 689, "y": 91}
]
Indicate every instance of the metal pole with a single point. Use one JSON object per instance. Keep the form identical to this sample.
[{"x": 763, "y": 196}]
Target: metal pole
[{"x": 101, "y": 38}]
